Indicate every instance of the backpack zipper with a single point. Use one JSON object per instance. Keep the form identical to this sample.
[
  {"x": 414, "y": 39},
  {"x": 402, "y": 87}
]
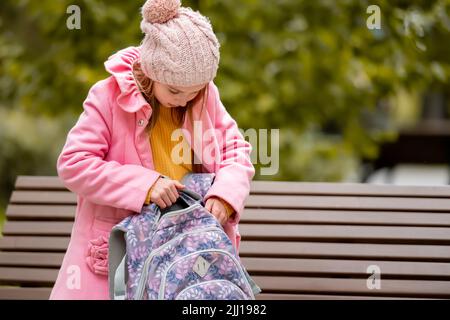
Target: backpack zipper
[
  {"x": 143, "y": 279},
  {"x": 163, "y": 280},
  {"x": 176, "y": 212},
  {"x": 202, "y": 283}
]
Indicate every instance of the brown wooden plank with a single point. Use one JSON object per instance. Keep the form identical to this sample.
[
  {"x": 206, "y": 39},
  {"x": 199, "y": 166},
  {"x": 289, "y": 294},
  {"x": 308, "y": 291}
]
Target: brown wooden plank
[
  {"x": 340, "y": 188},
  {"x": 44, "y": 212},
  {"x": 67, "y": 212},
  {"x": 282, "y": 187},
  {"x": 413, "y": 270},
  {"x": 284, "y": 296},
  {"x": 414, "y": 252},
  {"x": 50, "y": 197},
  {"x": 405, "y": 252},
  {"x": 352, "y": 268},
  {"x": 411, "y": 288},
  {"x": 271, "y": 201},
  {"x": 250, "y": 215},
  {"x": 43, "y": 293},
  {"x": 43, "y": 228},
  {"x": 31, "y": 259},
  {"x": 278, "y": 232},
  {"x": 284, "y": 216},
  {"x": 23, "y": 293},
  {"x": 39, "y": 183},
  {"x": 327, "y": 233},
  {"x": 28, "y": 275},
  {"x": 349, "y": 203},
  {"x": 34, "y": 243}
]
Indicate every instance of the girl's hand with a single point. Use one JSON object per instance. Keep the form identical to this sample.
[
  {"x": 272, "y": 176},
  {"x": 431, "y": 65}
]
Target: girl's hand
[
  {"x": 165, "y": 192},
  {"x": 217, "y": 209}
]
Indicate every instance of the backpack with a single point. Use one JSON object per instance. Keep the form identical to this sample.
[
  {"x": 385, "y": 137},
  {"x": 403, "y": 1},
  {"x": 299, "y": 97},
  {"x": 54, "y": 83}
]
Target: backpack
[{"x": 179, "y": 253}]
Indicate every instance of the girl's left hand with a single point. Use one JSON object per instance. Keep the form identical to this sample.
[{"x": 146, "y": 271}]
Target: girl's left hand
[{"x": 217, "y": 209}]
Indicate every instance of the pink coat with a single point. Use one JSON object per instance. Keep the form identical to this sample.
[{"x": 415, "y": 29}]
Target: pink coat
[{"x": 107, "y": 161}]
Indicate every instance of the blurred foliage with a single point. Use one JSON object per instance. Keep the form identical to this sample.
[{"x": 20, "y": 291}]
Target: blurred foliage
[
  {"x": 29, "y": 144},
  {"x": 310, "y": 68}
]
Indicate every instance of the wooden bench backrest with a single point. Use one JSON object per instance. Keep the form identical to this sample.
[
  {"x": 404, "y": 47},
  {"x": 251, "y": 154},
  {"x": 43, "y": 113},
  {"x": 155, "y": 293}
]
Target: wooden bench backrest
[{"x": 299, "y": 240}]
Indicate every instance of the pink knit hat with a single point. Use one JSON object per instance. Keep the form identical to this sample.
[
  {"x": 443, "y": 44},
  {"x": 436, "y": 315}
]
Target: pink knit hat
[{"x": 180, "y": 47}]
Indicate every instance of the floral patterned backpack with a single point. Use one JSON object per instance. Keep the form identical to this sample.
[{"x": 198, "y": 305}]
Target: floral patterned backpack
[{"x": 181, "y": 252}]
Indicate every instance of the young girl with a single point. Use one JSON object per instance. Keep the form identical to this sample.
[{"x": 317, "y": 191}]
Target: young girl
[{"x": 115, "y": 155}]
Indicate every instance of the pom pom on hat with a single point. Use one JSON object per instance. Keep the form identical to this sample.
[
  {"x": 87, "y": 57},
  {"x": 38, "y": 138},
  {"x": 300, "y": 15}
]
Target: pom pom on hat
[{"x": 160, "y": 11}]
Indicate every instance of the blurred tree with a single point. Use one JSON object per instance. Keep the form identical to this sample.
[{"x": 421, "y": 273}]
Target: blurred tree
[
  {"x": 311, "y": 68},
  {"x": 314, "y": 67}
]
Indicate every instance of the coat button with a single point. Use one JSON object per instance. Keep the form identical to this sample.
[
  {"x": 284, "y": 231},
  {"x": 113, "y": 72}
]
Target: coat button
[{"x": 141, "y": 122}]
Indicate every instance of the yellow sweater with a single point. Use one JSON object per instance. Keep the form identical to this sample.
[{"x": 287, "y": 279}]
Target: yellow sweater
[{"x": 162, "y": 146}]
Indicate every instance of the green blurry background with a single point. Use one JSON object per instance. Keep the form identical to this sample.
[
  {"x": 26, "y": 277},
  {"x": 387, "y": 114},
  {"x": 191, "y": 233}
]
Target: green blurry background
[{"x": 334, "y": 88}]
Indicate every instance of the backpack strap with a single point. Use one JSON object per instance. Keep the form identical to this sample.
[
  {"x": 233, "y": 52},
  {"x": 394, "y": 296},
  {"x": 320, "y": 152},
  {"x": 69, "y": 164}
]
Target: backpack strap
[
  {"x": 116, "y": 256},
  {"x": 119, "y": 281}
]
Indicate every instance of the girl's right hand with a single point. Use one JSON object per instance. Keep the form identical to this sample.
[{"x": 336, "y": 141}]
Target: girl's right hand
[{"x": 164, "y": 192}]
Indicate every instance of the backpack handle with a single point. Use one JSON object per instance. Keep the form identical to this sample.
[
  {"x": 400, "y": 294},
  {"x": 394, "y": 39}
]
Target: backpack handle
[{"x": 197, "y": 185}]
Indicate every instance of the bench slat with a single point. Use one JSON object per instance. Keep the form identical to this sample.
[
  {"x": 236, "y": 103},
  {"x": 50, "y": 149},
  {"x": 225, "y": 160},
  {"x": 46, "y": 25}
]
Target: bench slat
[
  {"x": 344, "y": 233},
  {"x": 250, "y": 215},
  {"x": 412, "y": 288},
  {"x": 23, "y": 293},
  {"x": 43, "y": 293},
  {"x": 285, "y": 216},
  {"x": 354, "y": 189},
  {"x": 32, "y": 259},
  {"x": 345, "y": 250},
  {"x": 37, "y": 228},
  {"x": 274, "y": 249},
  {"x": 412, "y": 270},
  {"x": 349, "y": 203},
  {"x": 57, "y": 197},
  {"x": 278, "y": 232},
  {"x": 28, "y": 275},
  {"x": 284, "y": 296},
  {"x": 39, "y": 183},
  {"x": 280, "y": 187},
  {"x": 281, "y": 201},
  {"x": 34, "y": 243},
  {"x": 353, "y": 268},
  {"x": 53, "y": 212},
  {"x": 279, "y": 284}
]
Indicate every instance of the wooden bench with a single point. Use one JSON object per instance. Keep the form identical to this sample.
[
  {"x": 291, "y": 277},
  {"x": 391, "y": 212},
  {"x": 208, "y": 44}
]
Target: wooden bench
[{"x": 299, "y": 240}]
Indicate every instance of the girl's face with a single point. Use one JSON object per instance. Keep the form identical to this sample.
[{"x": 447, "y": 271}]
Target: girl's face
[{"x": 173, "y": 96}]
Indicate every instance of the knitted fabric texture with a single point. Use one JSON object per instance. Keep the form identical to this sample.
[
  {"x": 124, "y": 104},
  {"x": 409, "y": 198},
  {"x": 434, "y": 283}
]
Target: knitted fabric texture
[{"x": 179, "y": 47}]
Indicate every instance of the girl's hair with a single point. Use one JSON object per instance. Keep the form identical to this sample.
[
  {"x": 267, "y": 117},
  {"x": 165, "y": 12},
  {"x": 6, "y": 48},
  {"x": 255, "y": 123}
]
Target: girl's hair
[{"x": 178, "y": 114}]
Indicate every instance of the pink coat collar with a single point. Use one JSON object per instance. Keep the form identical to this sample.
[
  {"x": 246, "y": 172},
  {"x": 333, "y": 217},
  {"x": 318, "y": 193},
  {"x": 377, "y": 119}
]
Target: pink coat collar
[{"x": 120, "y": 66}]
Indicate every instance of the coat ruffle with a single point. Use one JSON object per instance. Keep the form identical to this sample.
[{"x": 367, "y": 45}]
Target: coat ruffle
[{"x": 120, "y": 66}]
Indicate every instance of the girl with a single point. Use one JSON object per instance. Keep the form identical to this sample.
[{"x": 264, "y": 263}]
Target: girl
[{"x": 120, "y": 147}]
